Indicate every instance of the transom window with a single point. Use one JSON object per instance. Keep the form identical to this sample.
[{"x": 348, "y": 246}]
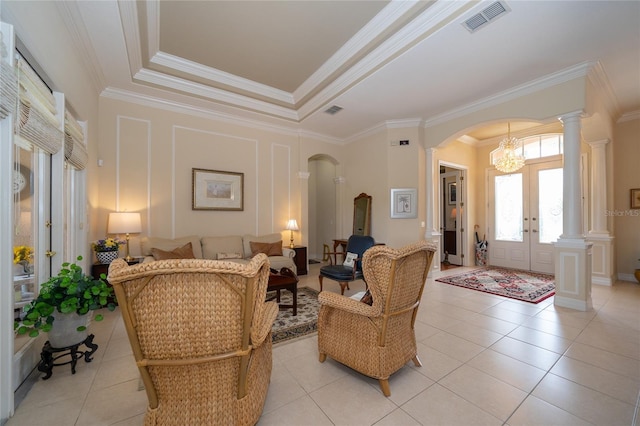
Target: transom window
[{"x": 538, "y": 146}]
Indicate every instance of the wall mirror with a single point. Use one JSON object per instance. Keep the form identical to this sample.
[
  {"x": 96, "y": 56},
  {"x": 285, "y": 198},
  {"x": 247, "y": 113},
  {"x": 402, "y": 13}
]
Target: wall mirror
[{"x": 362, "y": 215}]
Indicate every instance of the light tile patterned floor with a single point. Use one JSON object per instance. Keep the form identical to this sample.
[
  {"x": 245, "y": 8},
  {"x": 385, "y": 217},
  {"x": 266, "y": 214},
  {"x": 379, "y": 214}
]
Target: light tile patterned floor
[{"x": 486, "y": 360}]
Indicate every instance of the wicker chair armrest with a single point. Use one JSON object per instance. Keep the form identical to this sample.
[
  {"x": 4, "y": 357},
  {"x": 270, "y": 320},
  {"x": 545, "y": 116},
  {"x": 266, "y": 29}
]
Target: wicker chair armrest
[
  {"x": 347, "y": 304},
  {"x": 263, "y": 325}
]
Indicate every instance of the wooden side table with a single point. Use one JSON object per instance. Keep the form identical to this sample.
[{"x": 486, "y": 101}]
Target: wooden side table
[
  {"x": 300, "y": 259},
  {"x": 98, "y": 269},
  {"x": 103, "y": 268}
]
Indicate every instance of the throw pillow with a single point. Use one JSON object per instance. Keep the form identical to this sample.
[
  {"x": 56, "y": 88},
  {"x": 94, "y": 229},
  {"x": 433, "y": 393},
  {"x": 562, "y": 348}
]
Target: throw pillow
[
  {"x": 184, "y": 252},
  {"x": 367, "y": 298},
  {"x": 222, "y": 256},
  {"x": 270, "y": 249},
  {"x": 349, "y": 259}
]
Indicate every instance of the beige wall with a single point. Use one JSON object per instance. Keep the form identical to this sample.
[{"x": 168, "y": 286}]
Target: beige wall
[
  {"x": 626, "y": 175},
  {"x": 148, "y": 155}
]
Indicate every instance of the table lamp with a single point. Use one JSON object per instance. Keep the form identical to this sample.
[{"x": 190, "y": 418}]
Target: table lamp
[
  {"x": 124, "y": 223},
  {"x": 292, "y": 225}
]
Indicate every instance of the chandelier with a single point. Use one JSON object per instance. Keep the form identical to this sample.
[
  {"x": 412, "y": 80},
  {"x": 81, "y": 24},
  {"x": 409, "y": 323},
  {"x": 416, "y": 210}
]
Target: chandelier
[{"x": 510, "y": 160}]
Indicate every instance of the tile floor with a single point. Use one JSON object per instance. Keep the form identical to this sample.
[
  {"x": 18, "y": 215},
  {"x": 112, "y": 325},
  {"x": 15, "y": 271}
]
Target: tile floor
[{"x": 486, "y": 360}]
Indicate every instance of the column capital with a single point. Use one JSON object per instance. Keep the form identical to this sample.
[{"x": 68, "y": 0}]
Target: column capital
[
  {"x": 600, "y": 143},
  {"x": 571, "y": 116}
]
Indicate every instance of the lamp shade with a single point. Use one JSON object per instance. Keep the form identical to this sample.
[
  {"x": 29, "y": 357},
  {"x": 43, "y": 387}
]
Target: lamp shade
[
  {"x": 124, "y": 223},
  {"x": 292, "y": 225}
]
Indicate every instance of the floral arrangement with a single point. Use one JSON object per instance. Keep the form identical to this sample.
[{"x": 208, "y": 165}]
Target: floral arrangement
[
  {"x": 22, "y": 254},
  {"x": 107, "y": 244}
]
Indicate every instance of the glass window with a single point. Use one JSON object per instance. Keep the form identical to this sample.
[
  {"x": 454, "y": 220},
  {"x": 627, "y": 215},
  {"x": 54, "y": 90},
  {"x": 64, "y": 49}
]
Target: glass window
[
  {"x": 550, "y": 204},
  {"x": 535, "y": 147}
]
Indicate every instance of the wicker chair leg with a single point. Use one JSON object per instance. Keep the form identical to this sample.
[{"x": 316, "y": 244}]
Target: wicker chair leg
[
  {"x": 384, "y": 386},
  {"x": 323, "y": 357},
  {"x": 416, "y": 361}
]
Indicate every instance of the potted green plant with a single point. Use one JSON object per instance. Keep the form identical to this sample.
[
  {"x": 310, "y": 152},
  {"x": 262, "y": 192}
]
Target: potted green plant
[
  {"x": 63, "y": 299},
  {"x": 107, "y": 249}
]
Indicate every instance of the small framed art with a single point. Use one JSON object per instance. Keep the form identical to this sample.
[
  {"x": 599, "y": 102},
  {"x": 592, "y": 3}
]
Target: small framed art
[
  {"x": 404, "y": 203},
  {"x": 451, "y": 193},
  {"x": 217, "y": 190},
  {"x": 635, "y": 198}
]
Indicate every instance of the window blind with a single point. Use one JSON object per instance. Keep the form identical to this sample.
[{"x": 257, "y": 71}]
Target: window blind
[
  {"x": 8, "y": 89},
  {"x": 36, "y": 119},
  {"x": 75, "y": 150}
]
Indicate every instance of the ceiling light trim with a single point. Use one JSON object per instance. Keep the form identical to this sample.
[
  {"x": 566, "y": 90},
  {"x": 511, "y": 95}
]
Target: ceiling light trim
[
  {"x": 214, "y": 94},
  {"x": 221, "y": 77}
]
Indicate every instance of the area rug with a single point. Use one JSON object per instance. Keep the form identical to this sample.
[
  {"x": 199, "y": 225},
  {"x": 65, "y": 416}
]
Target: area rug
[
  {"x": 521, "y": 285},
  {"x": 287, "y": 326}
]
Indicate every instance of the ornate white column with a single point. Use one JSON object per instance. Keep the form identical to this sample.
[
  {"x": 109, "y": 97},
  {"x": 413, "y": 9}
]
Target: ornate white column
[
  {"x": 572, "y": 251},
  {"x": 602, "y": 251},
  {"x": 431, "y": 233}
]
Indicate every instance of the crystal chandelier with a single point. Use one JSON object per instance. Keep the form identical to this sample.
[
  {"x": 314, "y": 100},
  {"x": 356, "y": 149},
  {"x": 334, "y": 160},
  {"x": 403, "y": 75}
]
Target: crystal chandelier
[{"x": 510, "y": 160}]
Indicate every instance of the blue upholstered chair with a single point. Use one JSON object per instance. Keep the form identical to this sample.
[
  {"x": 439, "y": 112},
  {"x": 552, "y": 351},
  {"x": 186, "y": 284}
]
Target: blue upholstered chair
[{"x": 356, "y": 244}]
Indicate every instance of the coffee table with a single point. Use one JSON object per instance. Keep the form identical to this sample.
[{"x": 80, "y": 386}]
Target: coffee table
[{"x": 285, "y": 279}]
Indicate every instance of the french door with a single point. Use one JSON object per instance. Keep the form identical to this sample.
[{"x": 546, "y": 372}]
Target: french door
[{"x": 525, "y": 213}]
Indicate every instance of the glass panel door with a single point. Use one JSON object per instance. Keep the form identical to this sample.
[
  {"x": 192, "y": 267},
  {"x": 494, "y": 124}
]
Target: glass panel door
[
  {"x": 508, "y": 207},
  {"x": 550, "y": 205}
]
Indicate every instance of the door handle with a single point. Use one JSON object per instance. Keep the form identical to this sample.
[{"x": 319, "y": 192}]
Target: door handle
[
  {"x": 526, "y": 230},
  {"x": 535, "y": 230},
  {"x": 50, "y": 253}
]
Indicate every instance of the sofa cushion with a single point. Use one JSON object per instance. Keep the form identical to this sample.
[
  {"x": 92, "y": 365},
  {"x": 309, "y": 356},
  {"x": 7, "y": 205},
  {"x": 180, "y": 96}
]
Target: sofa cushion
[
  {"x": 211, "y": 246},
  {"x": 270, "y": 249},
  {"x": 166, "y": 244},
  {"x": 184, "y": 252},
  {"x": 268, "y": 238}
]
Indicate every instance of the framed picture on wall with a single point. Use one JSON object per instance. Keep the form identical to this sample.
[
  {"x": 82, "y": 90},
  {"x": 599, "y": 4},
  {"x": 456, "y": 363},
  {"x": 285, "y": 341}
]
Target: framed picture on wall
[
  {"x": 404, "y": 203},
  {"x": 635, "y": 198},
  {"x": 217, "y": 190},
  {"x": 451, "y": 193}
]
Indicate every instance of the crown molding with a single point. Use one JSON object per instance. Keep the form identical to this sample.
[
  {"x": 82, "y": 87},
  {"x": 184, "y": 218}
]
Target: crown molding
[
  {"x": 567, "y": 74},
  {"x": 214, "y": 94},
  {"x": 375, "y": 28},
  {"x": 75, "y": 24},
  {"x": 598, "y": 77},
  {"x": 180, "y": 108},
  {"x": 421, "y": 27},
  {"x": 629, "y": 116},
  {"x": 221, "y": 77},
  {"x": 129, "y": 19}
]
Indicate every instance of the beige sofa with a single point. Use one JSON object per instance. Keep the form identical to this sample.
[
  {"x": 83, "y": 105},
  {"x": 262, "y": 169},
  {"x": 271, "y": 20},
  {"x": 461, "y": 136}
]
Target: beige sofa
[{"x": 235, "y": 248}]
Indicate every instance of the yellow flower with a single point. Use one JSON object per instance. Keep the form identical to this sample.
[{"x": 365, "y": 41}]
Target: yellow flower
[{"x": 22, "y": 254}]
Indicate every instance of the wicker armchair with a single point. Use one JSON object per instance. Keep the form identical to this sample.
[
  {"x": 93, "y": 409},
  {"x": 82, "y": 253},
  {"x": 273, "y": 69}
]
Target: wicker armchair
[
  {"x": 377, "y": 340},
  {"x": 200, "y": 331}
]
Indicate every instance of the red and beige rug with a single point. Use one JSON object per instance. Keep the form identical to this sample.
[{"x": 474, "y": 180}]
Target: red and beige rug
[{"x": 527, "y": 286}]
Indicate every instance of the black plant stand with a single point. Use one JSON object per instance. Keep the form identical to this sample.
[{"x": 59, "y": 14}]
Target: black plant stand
[{"x": 48, "y": 359}]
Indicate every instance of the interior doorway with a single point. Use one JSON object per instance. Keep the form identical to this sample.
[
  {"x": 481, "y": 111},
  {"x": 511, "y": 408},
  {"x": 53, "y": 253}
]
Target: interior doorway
[
  {"x": 525, "y": 214},
  {"x": 322, "y": 205},
  {"x": 452, "y": 215}
]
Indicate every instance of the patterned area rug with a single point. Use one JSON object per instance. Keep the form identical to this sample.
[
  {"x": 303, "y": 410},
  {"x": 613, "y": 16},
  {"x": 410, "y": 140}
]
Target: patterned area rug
[
  {"x": 521, "y": 285},
  {"x": 287, "y": 326}
]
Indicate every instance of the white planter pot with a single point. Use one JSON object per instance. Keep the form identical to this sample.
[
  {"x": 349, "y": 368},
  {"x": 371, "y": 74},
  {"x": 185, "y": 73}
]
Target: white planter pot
[{"x": 64, "y": 331}]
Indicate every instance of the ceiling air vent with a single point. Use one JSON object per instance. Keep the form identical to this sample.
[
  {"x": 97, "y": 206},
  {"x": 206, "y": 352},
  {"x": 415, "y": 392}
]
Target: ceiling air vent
[
  {"x": 488, "y": 14},
  {"x": 334, "y": 109}
]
